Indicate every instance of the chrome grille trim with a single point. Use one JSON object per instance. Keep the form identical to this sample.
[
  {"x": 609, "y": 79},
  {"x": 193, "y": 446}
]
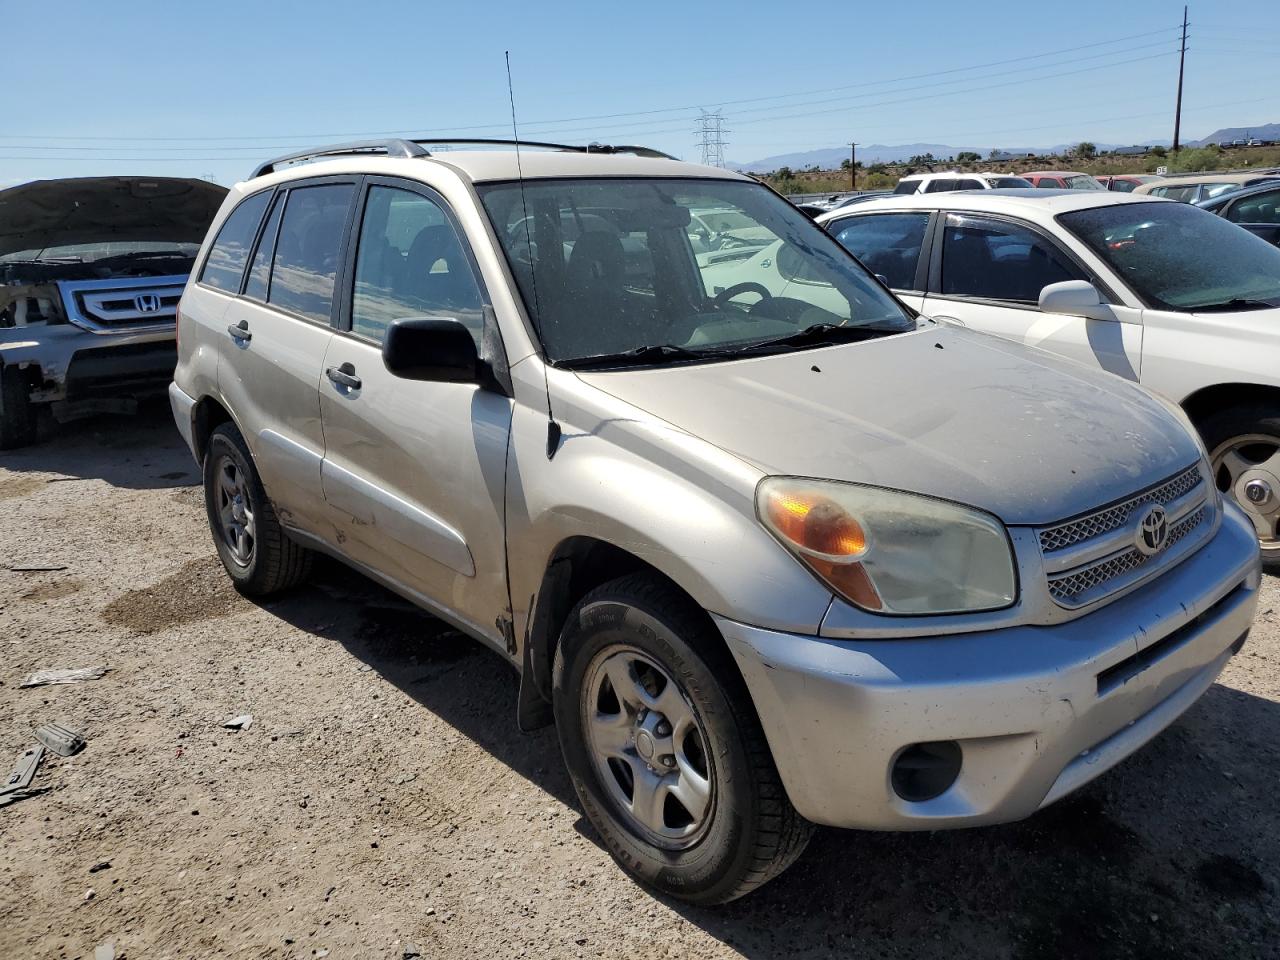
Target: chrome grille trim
[
  {"x": 117, "y": 306},
  {"x": 1087, "y": 584},
  {"x": 1067, "y": 534}
]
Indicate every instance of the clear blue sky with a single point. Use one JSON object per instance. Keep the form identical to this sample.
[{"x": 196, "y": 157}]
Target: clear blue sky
[{"x": 102, "y": 88}]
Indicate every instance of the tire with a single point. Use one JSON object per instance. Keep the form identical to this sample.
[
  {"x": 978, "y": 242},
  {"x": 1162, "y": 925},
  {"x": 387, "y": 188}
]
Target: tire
[
  {"x": 749, "y": 832},
  {"x": 262, "y": 560},
  {"x": 1252, "y": 432},
  {"x": 17, "y": 415}
]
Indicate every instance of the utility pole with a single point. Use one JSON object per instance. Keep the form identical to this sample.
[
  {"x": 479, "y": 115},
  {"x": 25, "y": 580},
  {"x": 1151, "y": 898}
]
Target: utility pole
[
  {"x": 1182, "y": 61},
  {"x": 853, "y": 166}
]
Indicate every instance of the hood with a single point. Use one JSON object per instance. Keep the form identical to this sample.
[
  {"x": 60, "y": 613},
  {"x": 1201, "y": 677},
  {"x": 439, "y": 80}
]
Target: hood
[
  {"x": 55, "y": 213},
  {"x": 945, "y": 412}
]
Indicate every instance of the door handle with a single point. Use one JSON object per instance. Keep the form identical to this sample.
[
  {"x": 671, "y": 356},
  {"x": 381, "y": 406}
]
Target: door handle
[
  {"x": 240, "y": 331},
  {"x": 344, "y": 376}
]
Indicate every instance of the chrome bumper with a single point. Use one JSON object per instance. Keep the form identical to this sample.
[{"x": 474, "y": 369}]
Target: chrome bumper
[{"x": 1037, "y": 711}]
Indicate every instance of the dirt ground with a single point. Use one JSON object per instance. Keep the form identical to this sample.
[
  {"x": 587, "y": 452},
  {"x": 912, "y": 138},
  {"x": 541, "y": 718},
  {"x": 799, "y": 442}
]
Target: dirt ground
[{"x": 384, "y": 805}]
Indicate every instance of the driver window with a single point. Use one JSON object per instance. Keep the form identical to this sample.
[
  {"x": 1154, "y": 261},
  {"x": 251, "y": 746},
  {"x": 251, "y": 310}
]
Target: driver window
[{"x": 410, "y": 263}]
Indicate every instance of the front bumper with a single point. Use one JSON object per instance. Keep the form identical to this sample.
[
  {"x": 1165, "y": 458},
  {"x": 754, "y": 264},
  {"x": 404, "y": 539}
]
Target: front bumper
[
  {"x": 1037, "y": 711},
  {"x": 74, "y": 364}
]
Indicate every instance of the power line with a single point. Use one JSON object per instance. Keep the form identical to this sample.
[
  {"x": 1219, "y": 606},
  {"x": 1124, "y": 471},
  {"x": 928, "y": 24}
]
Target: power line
[{"x": 275, "y": 138}]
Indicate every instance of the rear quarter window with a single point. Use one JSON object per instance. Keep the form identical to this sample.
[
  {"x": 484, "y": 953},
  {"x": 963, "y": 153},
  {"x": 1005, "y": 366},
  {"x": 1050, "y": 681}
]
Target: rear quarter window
[{"x": 224, "y": 267}]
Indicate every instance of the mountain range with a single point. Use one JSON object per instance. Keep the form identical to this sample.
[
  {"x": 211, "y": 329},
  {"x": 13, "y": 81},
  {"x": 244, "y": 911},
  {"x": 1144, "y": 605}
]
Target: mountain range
[{"x": 831, "y": 157}]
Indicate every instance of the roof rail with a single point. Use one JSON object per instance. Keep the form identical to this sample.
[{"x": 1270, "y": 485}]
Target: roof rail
[
  {"x": 576, "y": 148},
  {"x": 391, "y": 148}
]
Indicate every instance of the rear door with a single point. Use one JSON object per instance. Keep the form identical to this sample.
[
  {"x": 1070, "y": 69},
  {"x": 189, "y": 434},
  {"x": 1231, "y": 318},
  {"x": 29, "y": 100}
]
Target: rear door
[
  {"x": 1258, "y": 213},
  {"x": 414, "y": 472},
  {"x": 890, "y": 245},
  {"x": 987, "y": 273},
  {"x": 276, "y": 334}
]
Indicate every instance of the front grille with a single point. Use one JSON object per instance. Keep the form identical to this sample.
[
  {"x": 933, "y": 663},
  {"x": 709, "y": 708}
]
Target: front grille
[
  {"x": 1071, "y": 532},
  {"x": 123, "y": 304},
  {"x": 1078, "y": 587}
]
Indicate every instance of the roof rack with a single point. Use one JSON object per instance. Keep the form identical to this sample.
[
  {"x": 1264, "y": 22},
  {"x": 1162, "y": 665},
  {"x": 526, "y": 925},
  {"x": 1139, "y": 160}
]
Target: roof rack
[
  {"x": 415, "y": 148},
  {"x": 391, "y": 148}
]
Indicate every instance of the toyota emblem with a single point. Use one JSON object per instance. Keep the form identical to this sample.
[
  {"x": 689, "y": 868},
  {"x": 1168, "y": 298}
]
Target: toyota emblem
[{"x": 1153, "y": 530}]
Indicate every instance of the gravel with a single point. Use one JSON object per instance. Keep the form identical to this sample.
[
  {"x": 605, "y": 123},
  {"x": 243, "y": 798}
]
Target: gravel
[{"x": 383, "y": 803}]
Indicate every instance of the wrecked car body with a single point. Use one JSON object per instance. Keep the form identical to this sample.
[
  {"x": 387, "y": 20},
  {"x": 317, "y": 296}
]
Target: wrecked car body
[{"x": 91, "y": 271}]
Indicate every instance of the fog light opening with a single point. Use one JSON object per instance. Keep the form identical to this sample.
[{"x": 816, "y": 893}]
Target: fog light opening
[{"x": 926, "y": 770}]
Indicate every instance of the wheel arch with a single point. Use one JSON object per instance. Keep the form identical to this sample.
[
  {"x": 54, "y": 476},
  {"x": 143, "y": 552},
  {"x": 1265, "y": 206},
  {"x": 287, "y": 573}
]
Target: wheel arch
[
  {"x": 208, "y": 414},
  {"x": 1207, "y": 401},
  {"x": 576, "y": 566}
]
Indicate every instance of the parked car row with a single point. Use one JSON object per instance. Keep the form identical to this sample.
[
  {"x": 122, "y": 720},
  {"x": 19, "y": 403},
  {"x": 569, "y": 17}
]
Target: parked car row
[{"x": 767, "y": 545}]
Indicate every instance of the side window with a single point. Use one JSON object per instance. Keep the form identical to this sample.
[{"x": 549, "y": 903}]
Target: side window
[
  {"x": 260, "y": 266},
  {"x": 308, "y": 249},
  {"x": 225, "y": 266},
  {"x": 1122, "y": 186},
  {"x": 969, "y": 185},
  {"x": 999, "y": 261},
  {"x": 907, "y": 186},
  {"x": 940, "y": 186},
  {"x": 410, "y": 263},
  {"x": 1260, "y": 208},
  {"x": 886, "y": 243},
  {"x": 1217, "y": 190}
]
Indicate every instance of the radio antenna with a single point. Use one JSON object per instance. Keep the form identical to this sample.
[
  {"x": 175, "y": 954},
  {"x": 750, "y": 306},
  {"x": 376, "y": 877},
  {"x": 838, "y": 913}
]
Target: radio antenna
[{"x": 553, "y": 428}]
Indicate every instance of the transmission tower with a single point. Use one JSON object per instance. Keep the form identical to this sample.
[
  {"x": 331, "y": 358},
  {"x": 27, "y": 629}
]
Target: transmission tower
[{"x": 710, "y": 132}]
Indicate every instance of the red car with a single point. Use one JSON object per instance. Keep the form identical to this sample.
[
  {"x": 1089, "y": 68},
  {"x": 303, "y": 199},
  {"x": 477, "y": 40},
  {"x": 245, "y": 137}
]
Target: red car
[{"x": 1062, "y": 180}]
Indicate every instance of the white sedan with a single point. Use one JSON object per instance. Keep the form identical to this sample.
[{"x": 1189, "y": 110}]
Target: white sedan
[{"x": 1160, "y": 292}]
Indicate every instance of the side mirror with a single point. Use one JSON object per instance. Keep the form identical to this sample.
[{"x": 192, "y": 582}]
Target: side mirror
[
  {"x": 1074, "y": 298},
  {"x": 428, "y": 348}
]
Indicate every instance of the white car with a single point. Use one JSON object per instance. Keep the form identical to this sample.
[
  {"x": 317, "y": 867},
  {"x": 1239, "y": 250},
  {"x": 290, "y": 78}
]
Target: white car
[
  {"x": 949, "y": 180},
  {"x": 1157, "y": 291}
]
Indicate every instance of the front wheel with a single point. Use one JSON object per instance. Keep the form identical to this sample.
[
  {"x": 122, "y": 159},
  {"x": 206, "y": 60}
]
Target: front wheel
[
  {"x": 664, "y": 747},
  {"x": 1244, "y": 452},
  {"x": 253, "y": 546}
]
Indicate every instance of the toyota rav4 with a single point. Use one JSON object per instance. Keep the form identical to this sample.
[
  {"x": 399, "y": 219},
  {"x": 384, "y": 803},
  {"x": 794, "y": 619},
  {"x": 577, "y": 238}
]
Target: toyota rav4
[{"x": 767, "y": 557}]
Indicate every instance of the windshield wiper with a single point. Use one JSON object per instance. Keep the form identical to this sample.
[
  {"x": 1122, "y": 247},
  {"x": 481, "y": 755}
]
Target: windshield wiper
[
  {"x": 817, "y": 334},
  {"x": 1236, "y": 303},
  {"x": 640, "y": 356}
]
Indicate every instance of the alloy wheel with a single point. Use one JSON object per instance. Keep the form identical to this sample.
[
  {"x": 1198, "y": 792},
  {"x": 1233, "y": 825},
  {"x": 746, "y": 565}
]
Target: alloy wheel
[
  {"x": 649, "y": 747},
  {"x": 1247, "y": 469},
  {"x": 235, "y": 510}
]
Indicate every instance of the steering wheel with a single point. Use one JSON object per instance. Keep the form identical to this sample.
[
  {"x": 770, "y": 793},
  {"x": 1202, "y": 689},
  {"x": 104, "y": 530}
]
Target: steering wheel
[{"x": 747, "y": 286}]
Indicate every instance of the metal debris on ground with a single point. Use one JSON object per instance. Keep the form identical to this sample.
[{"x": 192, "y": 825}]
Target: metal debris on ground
[
  {"x": 105, "y": 951},
  {"x": 61, "y": 739},
  {"x": 34, "y": 569},
  {"x": 73, "y": 675},
  {"x": 242, "y": 722},
  {"x": 410, "y": 952},
  {"x": 9, "y": 798},
  {"x": 24, "y": 772}
]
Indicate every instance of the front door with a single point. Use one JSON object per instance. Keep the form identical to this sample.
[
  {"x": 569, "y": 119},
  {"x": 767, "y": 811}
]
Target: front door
[
  {"x": 988, "y": 275},
  {"x": 414, "y": 472}
]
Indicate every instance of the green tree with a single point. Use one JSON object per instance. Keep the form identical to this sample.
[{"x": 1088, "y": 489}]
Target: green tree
[
  {"x": 1087, "y": 150},
  {"x": 784, "y": 173},
  {"x": 1194, "y": 159},
  {"x": 967, "y": 156},
  {"x": 1158, "y": 151}
]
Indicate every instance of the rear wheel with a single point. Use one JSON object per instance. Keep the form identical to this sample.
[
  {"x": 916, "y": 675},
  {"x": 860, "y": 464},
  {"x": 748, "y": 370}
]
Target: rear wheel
[
  {"x": 1244, "y": 451},
  {"x": 258, "y": 554},
  {"x": 664, "y": 747},
  {"x": 17, "y": 415}
]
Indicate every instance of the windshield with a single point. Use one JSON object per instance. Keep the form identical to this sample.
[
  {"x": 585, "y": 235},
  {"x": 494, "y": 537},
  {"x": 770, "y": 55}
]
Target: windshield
[
  {"x": 1179, "y": 257},
  {"x": 610, "y": 266},
  {"x": 1011, "y": 183},
  {"x": 90, "y": 252}
]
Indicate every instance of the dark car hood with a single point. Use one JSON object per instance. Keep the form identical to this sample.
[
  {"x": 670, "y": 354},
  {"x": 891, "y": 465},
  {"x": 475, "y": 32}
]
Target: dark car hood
[
  {"x": 55, "y": 213},
  {"x": 945, "y": 412}
]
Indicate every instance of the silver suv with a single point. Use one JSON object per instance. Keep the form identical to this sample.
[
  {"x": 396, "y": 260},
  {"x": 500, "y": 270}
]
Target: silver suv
[{"x": 767, "y": 557}]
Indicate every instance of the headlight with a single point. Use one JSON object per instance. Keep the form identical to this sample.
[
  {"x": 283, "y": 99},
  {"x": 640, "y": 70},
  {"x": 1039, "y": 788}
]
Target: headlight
[{"x": 891, "y": 552}]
